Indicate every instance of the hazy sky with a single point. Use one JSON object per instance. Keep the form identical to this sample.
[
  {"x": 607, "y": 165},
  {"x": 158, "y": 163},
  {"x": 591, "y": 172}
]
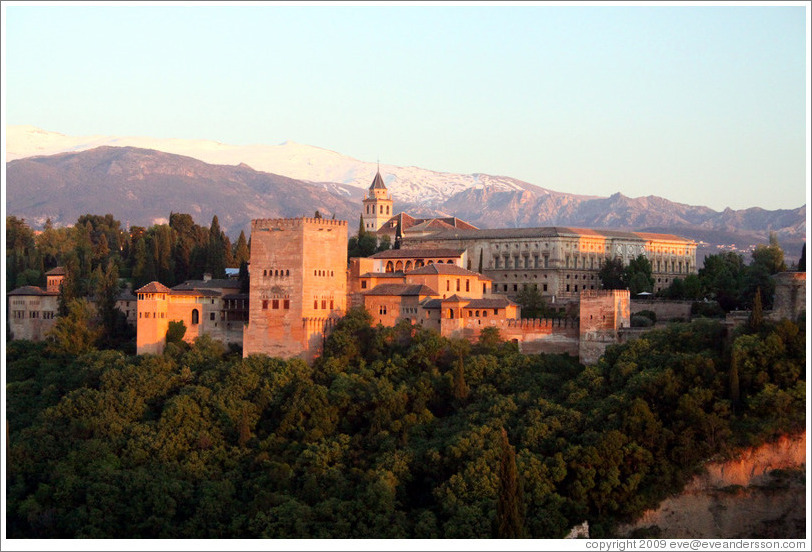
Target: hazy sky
[{"x": 700, "y": 104}]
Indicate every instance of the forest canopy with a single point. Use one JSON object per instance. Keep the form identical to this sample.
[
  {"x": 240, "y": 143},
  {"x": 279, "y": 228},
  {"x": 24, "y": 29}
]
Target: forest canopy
[{"x": 391, "y": 433}]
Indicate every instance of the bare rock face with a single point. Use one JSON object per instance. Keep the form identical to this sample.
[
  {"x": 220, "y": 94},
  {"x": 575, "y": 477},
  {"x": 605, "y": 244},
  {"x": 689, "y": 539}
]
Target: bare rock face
[{"x": 759, "y": 494}]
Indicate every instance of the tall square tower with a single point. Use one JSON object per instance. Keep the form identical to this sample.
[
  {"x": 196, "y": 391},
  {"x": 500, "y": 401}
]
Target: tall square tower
[{"x": 298, "y": 285}]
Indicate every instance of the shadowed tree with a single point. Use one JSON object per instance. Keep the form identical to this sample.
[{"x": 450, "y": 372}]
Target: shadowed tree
[{"x": 509, "y": 506}]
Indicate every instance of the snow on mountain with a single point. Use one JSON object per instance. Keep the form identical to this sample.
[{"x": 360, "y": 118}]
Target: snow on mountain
[{"x": 410, "y": 185}]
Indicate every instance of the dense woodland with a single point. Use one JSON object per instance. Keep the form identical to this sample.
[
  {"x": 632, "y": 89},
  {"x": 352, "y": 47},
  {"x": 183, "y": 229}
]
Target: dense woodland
[{"x": 393, "y": 432}]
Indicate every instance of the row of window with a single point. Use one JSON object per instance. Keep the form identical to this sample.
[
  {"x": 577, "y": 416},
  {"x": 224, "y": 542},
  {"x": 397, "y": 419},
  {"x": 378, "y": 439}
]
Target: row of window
[
  {"x": 384, "y": 210},
  {"x": 323, "y": 304},
  {"x": 329, "y": 273},
  {"x": 275, "y": 304},
  {"x": 400, "y": 266},
  {"x": 484, "y": 313},
  {"x": 276, "y": 273},
  {"x": 467, "y": 285},
  {"x": 20, "y": 314}
]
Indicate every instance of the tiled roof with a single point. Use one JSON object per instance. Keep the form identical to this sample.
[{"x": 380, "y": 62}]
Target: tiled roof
[
  {"x": 432, "y": 304},
  {"x": 548, "y": 232},
  {"x": 401, "y": 289},
  {"x": 154, "y": 287},
  {"x": 31, "y": 290},
  {"x": 416, "y": 252},
  {"x": 225, "y": 283},
  {"x": 126, "y": 295},
  {"x": 236, "y": 296},
  {"x": 663, "y": 237},
  {"x": 443, "y": 268},
  {"x": 195, "y": 292},
  {"x": 494, "y": 303},
  {"x": 455, "y": 299},
  {"x": 57, "y": 271},
  {"x": 410, "y": 223},
  {"x": 377, "y": 183},
  {"x": 396, "y": 274}
]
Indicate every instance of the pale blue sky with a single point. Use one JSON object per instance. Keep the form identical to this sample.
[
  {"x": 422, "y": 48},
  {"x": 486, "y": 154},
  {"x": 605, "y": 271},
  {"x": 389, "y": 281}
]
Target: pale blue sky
[{"x": 702, "y": 105}]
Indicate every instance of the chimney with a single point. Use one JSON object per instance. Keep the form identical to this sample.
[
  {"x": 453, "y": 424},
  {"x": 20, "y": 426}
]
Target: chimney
[{"x": 206, "y": 276}]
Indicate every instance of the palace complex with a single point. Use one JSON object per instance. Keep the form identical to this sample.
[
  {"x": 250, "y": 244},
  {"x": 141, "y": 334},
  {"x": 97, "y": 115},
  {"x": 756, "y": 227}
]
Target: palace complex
[{"x": 444, "y": 274}]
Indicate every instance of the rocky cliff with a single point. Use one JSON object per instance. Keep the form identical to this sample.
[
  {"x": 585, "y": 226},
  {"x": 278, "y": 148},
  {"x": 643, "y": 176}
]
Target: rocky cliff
[{"x": 759, "y": 494}]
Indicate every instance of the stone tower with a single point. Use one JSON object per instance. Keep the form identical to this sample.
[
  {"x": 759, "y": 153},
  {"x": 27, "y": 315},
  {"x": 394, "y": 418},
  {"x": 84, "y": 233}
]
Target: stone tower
[
  {"x": 377, "y": 205},
  {"x": 603, "y": 313},
  {"x": 153, "y": 305},
  {"x": 298, "y": 285}
]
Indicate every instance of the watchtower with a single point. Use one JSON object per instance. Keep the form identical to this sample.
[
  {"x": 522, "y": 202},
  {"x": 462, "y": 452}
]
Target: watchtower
[{"x": 298, "y": 285}]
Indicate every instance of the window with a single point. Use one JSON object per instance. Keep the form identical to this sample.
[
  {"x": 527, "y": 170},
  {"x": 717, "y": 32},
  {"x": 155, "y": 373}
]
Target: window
[
  {"x": 315, "y": 303},
  {"x": 324, "y": 303},
  {"x": 458, "y": 284},
  {"x": 363, "y": 284},
  {"x": 515, "y": 287},
  {"x": 211, "y": 316},
  {"x": 448, "y": 285},
  {"x": 196, "y": 314},
  {"x": 286, "y": 303},
  {"x": 275, "y": 304},
  {"x": 467, "y": 284},
  {"x": 495, "y": 312}
]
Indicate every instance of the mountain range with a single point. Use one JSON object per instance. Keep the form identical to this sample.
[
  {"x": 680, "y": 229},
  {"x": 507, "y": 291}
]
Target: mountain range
[{"x": 63, "y": 177}]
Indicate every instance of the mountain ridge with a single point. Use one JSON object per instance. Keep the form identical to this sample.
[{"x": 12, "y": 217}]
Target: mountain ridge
[{"x": 484, "y": 200}]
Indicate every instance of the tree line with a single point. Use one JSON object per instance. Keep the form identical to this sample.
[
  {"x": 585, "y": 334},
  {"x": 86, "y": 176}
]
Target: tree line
[
  {"x": 391, "y": 433},
  {"x": 170, "y": 253}
]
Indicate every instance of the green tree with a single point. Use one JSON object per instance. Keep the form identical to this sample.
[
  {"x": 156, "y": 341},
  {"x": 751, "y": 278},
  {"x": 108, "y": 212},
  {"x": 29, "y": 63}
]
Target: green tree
[
  {"x": 611, "y": 274},
  {"x": 637, "y": 275},
  {"x": 756, "y": 318},
  {"x": 510, "y": 502},
  {"x": 241, "y": 253},
  {"x": 216, "y": 251},
  {"x": 175, "y": 332},
  {"x": 76, "y": 332},
  {"x": 460, "y": 348}
]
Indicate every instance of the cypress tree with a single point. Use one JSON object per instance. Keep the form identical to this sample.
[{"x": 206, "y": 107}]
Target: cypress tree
[
  {"x": 509, "y": 506},
  {"x": 361, "y": 230},
  {"x": 242, "y": 254},
  {"x": 757, "y": 314},
  {"x": 216, "y": 252}
]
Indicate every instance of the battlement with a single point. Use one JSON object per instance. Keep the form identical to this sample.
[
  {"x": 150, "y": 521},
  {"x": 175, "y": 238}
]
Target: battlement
[
  {"x": 270, "y": 225},
  {"x": 534, "y": 323},
  {"x": 604, "y": 293}
]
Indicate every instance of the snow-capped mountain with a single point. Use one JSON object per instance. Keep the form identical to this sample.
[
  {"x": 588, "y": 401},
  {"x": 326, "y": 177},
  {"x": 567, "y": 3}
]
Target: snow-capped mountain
[{"x": 411, "y": 185}]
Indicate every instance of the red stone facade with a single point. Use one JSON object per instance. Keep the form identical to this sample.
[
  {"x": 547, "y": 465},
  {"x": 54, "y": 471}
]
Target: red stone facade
[{"x": 298, "y": 285}]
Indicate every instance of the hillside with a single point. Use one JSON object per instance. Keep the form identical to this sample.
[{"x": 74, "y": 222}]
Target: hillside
[{"x": 141, "y": 187}]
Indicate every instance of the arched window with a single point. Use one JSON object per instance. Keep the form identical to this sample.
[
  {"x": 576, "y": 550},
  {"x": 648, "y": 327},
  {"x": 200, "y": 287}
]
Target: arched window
[
  {"x": 195, "y": 317},
  {"x": 399, "y": 266},
  {"x": 451, "y": 313},
  {"x": 390, "y": 267},
  {"x": 408, "y": 265}
]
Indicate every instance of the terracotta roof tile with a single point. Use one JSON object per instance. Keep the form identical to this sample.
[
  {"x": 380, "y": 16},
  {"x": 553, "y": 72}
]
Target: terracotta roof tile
[
  {"x": 154, "y": 287},
  {"x": 31, "y": 290},
  {"x": 401, "y": 289},
  {"x": 443, "y": 268},
  {"x": 416, "y": 252}
]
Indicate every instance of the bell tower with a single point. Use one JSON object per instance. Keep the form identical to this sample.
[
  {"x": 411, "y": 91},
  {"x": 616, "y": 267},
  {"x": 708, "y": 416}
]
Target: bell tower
[{"x": 377, "y": 205}]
